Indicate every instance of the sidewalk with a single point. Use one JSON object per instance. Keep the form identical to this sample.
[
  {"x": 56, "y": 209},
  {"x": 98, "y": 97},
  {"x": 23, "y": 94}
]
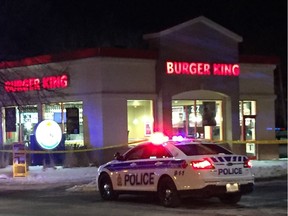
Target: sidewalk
[{"x": 83, "y": 178}]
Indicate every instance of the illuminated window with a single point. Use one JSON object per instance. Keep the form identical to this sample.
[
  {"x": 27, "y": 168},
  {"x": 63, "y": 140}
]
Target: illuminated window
[
  {"x": 197, "y": 118},
  {"x": 24, "y": 120},
  {"x": 140, "y": 119},
  {"x": 246, "y": 108},
  {"x": 57, "y": 112},
  {"x": 247, "y": 116}
]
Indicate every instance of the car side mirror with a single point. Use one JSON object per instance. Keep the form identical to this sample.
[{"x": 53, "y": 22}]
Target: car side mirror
[{"x": 118, "y": 156}]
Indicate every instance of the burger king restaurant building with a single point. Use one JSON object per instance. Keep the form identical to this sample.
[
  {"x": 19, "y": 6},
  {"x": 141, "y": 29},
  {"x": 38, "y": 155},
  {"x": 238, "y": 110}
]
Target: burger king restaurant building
[{"x": 190, "y": 81}]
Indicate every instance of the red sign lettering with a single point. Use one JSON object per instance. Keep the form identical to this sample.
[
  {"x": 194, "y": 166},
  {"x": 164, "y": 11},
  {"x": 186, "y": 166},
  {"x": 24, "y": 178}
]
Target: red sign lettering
[
  {"x": 35, "y": 84},
  {"x": 200, "y": 69},
  {"x": 226, "y": 69},
  {"x": 55, "y": 82}
]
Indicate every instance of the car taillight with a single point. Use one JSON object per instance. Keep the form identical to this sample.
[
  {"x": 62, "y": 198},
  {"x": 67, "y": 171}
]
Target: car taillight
[
  {"x": 247, "y": 163},
  {"x": 202, "y": 164}
]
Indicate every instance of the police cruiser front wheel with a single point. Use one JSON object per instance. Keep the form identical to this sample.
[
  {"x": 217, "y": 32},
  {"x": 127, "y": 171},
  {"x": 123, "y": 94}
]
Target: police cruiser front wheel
[
  {"x": 167, "y": 193},
  {"x": 106, "y": 188}
]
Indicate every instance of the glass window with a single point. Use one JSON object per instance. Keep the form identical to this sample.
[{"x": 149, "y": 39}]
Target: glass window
[
  {"x": 197, "y": 118},
  {"x": 247, "y": 114},
  {"x": 247, "y": 118},
  {"x": 147, "y": 151},
  {"x": 158, "y": 151},
  {"x": 202, "y": 149},
  {"x": 11, "y": 127},
  {"x": 29, "y": 119},
  {"x": 57, "y": 112},
  {"x": 135, "y": 154},
  {"x": 140, "y": 119},
  {"x": 247, "y": 108},
  {"x": 24, "y": 119}
]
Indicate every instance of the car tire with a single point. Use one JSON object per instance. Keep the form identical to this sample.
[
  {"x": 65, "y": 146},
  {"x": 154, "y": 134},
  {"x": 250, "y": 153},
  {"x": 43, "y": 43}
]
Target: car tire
[
  {"x": 106, "y": 188},
  {"x": 230, "y": 198},
  {"x": 167, "y": 193}
]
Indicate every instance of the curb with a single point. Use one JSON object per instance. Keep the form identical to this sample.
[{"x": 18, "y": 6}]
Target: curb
[{"x": 262, "y": 179}]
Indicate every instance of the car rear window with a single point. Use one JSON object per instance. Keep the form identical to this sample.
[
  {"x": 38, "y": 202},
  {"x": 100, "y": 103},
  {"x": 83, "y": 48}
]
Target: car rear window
[{"x": 202, "y": 149}]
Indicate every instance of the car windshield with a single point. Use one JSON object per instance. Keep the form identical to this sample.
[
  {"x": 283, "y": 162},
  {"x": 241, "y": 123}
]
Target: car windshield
[{"x": 202, "y": 149}]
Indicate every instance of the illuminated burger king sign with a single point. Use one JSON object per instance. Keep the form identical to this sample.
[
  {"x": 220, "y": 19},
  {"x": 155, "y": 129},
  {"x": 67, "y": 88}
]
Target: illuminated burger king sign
[
  {"x": 202, "y": 69},
  {"x": 48, "y": 134},
  {"x": 36, "y": 84}
]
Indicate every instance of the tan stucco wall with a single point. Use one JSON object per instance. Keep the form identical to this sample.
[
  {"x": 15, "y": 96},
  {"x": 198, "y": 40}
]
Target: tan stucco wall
[{"x": 257, "y": 83}]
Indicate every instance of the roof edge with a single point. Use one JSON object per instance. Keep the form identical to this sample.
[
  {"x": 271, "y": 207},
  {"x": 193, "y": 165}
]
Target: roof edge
[
  {"x": 80, "y": 54},
  {"x": 199, "y": 19}
]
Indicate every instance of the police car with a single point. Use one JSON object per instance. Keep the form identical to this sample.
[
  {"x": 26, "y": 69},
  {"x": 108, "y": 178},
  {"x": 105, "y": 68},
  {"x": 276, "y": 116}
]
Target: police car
[{"x": 175, "y": 169}]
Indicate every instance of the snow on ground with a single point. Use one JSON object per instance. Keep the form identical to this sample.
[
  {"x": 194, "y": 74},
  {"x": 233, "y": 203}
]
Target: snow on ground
[
  {"x": 269, "y": 168},
  {"x": 38, "y": 178},
  {"x": 83, "y": 178}
]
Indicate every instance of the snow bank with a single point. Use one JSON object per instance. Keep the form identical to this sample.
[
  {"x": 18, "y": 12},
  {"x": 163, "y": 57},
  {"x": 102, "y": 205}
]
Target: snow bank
[
  {"x": 83, "y": 178},
  {"x": 269, "y": 168}
]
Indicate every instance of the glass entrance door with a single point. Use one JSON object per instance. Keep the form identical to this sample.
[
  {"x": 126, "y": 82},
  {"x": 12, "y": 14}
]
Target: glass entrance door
[{"x": 250, "y": 135}]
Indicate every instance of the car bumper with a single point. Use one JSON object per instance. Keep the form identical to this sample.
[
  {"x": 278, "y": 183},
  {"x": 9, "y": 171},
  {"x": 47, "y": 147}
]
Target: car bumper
[{"x": 215, "y": 190}]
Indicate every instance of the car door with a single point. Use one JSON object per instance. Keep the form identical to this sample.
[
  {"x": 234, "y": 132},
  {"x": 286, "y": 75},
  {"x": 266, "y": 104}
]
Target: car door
[
  {"x": 144, "y": 166},
  {"x": 124, "y": 177}
]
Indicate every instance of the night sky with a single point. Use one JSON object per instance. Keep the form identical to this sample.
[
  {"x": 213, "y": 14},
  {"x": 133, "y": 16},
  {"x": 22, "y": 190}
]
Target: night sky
[
  {"x": 43, "y": 26},
  {"x": 35, "y": 27}
]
